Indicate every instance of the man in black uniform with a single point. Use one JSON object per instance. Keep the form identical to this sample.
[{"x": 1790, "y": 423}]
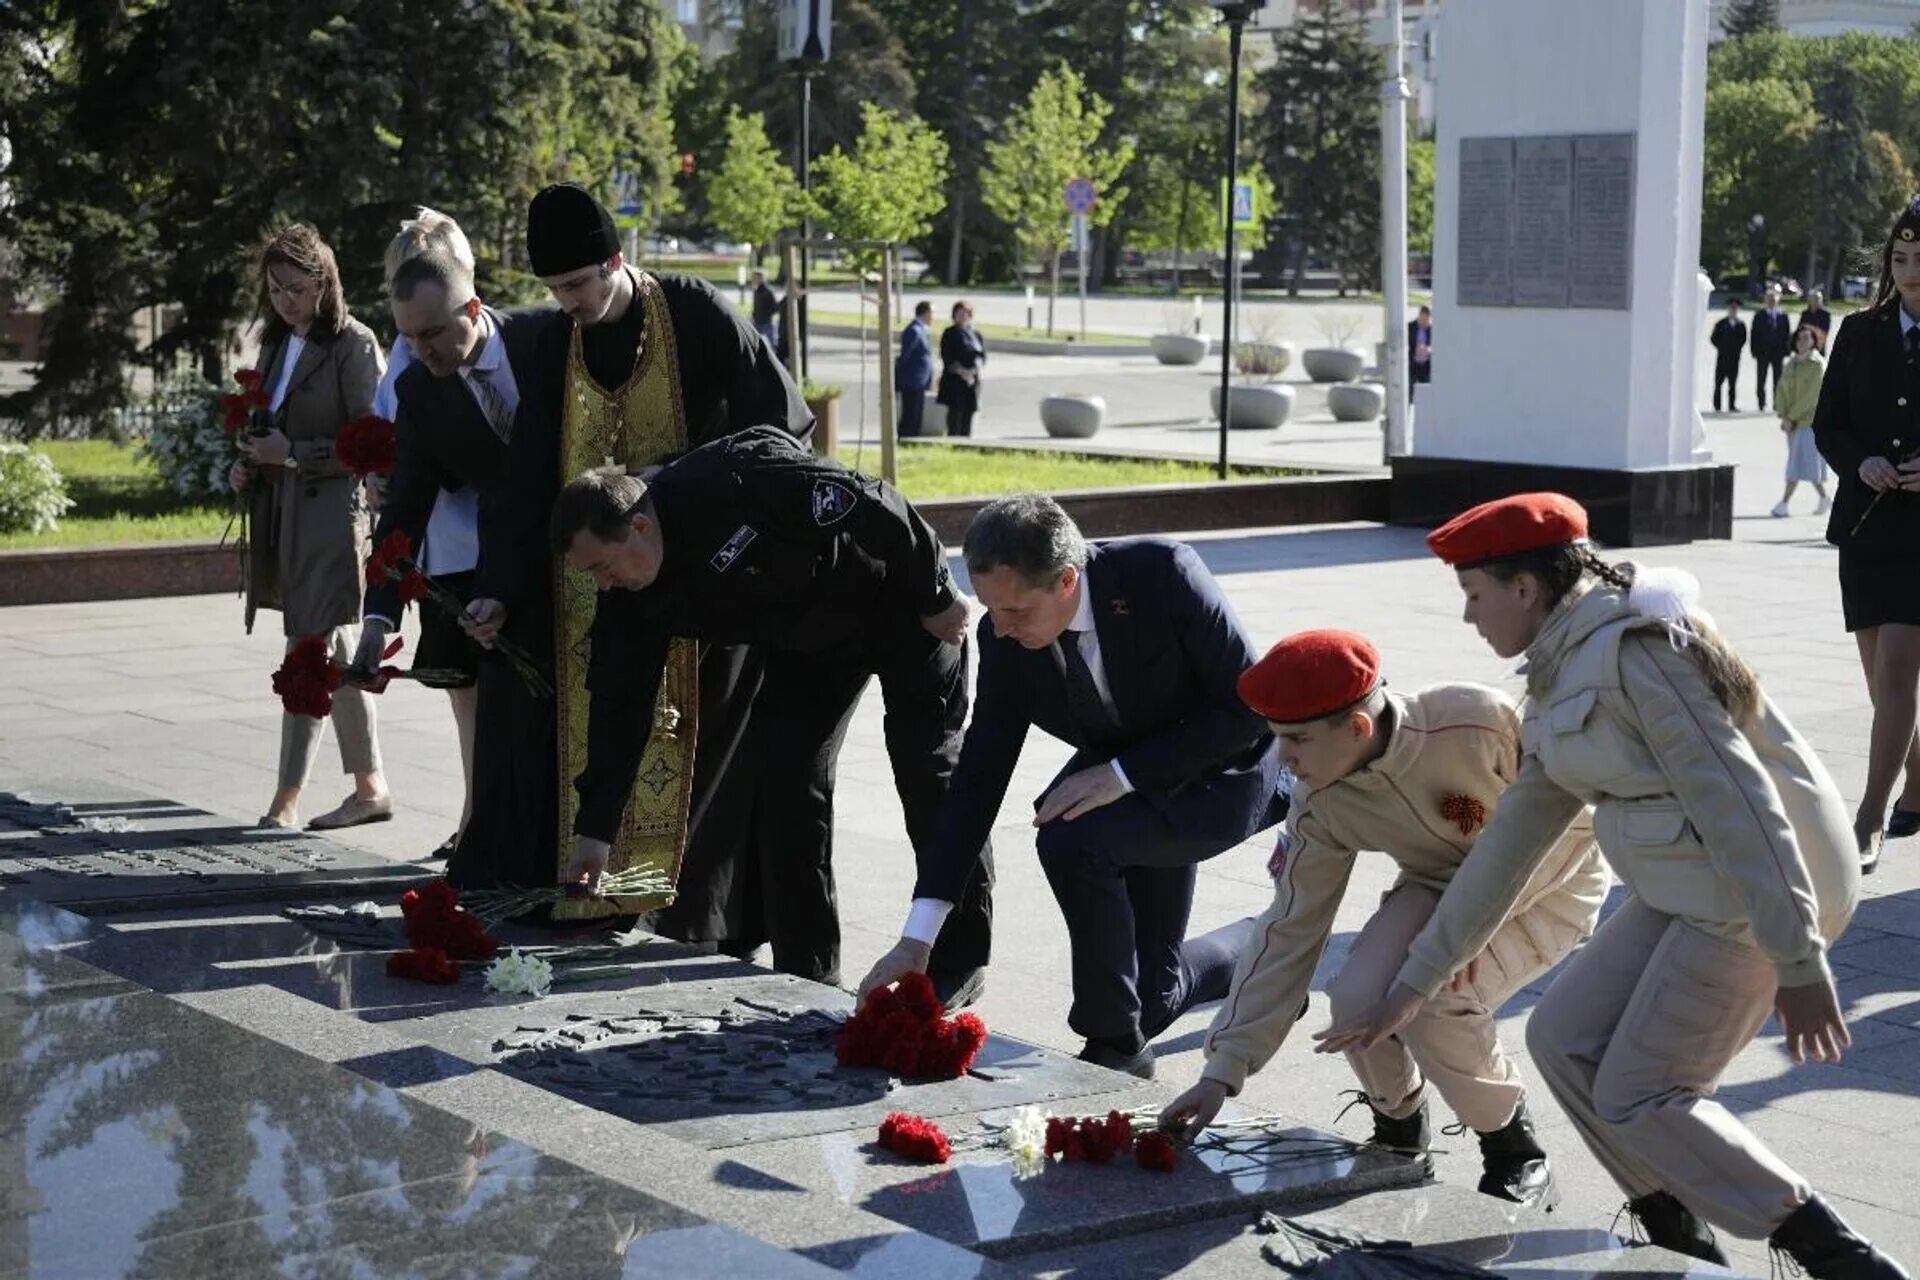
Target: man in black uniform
[
  {"x": 753, "y": 540},
  {"x": 1729, "y": 340}
]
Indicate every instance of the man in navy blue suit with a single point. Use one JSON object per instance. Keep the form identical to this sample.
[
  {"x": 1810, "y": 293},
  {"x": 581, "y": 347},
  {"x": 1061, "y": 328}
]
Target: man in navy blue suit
[
  {"x": 1129, "y": 652},
  {"x": 913, "y": 371}
]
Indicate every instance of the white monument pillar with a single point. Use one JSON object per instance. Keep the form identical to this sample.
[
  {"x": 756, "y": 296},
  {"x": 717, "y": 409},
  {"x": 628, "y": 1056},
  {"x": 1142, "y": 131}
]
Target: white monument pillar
[{"x": 1566, "y": 256}]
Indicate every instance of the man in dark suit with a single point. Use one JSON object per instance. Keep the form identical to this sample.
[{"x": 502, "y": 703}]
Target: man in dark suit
[
  {"x": 1129, "y": 652},
  {"x": 476, "y": 381},
  {"x": 1729, "y": 340},
  {"x": 1419, "y": 349},
  {"x": 913, "y": 371},
  {"x": 1772, "y": 343},
  {"x": 1817, "y": 315}
]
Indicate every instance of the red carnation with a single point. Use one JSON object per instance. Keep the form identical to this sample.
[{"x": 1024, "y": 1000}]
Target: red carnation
[
  {"x": 1089, "y": 1138},
  {"x": 915, "y": 1137},
  {"x": 234, "y": 414},
  {"x": 435, "y": 921},
  {"x": 423, "y": 964},
  {"x": 306, "y": 681},
  {"x": 365, "y": 446},
  {"x": 249, "y": 379},
  {"x": 392, "y": 561},
  {"x": 1155, "y": 1151},
  {"x": 905, "y": 1032}
]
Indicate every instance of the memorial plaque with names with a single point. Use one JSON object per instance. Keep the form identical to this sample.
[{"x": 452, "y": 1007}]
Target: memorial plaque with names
[
  {"x": 1486, "y": 212},
  {"x": 101, "y": 852},
  {"x": 1546, "y": 222},
  {"x": 1542, "y": 207},
  {"x": 1603, "y": 221}
]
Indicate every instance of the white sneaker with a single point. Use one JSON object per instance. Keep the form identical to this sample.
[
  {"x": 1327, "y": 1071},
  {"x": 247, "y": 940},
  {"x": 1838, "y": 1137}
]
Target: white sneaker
[
  {"x": 1779, "y": 510},
  {"x": 1823, "y": 508}
]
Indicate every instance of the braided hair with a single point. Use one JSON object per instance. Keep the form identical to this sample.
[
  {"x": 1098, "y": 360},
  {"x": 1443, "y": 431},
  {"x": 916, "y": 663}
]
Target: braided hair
[{"x": 1561, "y": 569}]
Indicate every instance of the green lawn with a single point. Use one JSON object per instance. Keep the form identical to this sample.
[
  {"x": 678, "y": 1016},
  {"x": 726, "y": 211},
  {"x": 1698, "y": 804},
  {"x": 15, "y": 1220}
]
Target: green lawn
[
  {"x": 117, "y": 498},
  {"x": 929, "y": 469},
  {"x": 1063, "y": 330}
]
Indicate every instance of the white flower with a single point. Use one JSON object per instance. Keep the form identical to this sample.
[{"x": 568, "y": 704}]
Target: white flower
[
  {"x": 1026, "y": 1138},
  {"x": 517, "y": 973}
]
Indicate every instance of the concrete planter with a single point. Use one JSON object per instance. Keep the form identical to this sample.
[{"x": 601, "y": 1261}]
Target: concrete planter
[
  {"x": 1334, "y": 364},
  {"x": 1181, "y": 348},
  {"x": 1255, "y": 406},
  {"x": 1263, "y": 359},
  {"x": 1072, "y": 417},
  {"x": 1356, "y": 401}
]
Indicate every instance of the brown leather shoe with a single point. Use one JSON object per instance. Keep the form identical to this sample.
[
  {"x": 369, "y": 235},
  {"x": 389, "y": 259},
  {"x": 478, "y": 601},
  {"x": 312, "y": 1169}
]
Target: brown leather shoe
[{"x": 354, "y": 812}]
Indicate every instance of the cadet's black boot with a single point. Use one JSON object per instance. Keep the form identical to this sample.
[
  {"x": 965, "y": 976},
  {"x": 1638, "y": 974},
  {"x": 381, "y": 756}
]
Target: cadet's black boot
[
  {"x": 1408, "y": 1136},
  {"x": 1513, "y": 1165},
  {"x": 1671, "y": 1225},
  {"x": 1815, "y": 1237}
]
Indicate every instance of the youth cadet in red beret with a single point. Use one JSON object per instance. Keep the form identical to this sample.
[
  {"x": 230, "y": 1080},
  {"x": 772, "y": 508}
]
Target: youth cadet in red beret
[
  {"x": 1738, "y": 853},
  {"x": 1414, "y": 777}
]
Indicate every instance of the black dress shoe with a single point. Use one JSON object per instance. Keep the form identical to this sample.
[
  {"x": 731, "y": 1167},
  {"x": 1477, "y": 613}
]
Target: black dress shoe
[
  {"x": 1815, "y": 1237},
  {"x": 1671, "y": 1225},
  {"x": 446, "y": 848},
  {"x": 1118, "y": 1057},
  {"x": 1902, "y": 823},
  {"x": 1513, "y": 1164},
  {"x": 958, "y": 990}
]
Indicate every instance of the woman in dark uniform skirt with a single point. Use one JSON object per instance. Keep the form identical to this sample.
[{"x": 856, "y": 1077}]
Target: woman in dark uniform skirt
[{"x": 1868, "y": 429}]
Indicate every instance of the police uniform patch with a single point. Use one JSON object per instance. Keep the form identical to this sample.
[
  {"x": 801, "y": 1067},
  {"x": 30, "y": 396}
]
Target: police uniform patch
[
  {"x": 730, "y": 550},
  {"x": 833, "y": 501}
]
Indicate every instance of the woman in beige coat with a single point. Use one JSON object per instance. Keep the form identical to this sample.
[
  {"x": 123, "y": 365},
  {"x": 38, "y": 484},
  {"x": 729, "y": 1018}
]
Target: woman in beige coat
[
  {"x": 1735, "y": 846},
  {"x": 319, "y": 366},
  {"x": 1797, "y": 395}
]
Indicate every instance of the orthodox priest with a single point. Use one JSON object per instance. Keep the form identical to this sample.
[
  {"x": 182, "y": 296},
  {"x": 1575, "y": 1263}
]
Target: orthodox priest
[{"x": 651, "y": 366}]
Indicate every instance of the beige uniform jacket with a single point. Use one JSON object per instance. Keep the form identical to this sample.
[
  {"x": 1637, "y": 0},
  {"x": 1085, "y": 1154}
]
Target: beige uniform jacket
[
  {"x": 1454, "y": 749},
  {"x": 1742, "y": 834}
]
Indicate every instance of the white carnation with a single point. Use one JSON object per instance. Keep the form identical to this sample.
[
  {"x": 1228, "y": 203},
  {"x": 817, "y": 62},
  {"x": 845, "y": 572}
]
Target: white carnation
[
  {"x": 517, "y": 973},
  {"x": 1026, "y": 1138}
]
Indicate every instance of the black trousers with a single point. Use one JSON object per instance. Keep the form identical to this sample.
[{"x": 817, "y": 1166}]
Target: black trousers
[
  {"x": 1726, "y": 370},
  {"x": 1763, "y": 367},
  {"x": 800, "y": 722},
  {"x": 959, "y": 420},
  {"x": 1124, "y": 876},
  {"x": 913, "y": 413}
]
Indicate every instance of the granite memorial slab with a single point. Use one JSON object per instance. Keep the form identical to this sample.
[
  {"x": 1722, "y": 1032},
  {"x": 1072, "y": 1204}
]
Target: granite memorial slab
[
  {"x": 1440, "y": 1220},
  {"x": 87, "y": 845},
  {"x": 1546, "y": 222},
  {"x": 977, "y": 1202}
]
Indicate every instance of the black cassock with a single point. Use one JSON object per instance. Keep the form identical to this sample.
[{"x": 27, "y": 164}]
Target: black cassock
[{"x": 729, "y": 380}]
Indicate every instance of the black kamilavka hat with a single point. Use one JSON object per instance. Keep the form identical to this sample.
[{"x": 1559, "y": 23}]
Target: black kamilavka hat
[{"x": 568, "y": 229}]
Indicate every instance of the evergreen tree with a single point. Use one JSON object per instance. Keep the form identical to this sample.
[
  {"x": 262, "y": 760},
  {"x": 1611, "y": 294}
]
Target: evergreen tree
[
  {"x": 1320, "y": 137},
  {"x": 1750, "y": 18}
]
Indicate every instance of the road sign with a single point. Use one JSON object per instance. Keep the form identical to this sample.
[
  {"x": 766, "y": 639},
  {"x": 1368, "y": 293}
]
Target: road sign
[
  {"x": 1245, "y": 212},
  {"x": 806, "y": 30},
  {"x": 1081, "y": 196}
]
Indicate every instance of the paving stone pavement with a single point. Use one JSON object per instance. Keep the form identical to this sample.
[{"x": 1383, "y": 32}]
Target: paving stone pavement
[{"x": 171, "y": 696}]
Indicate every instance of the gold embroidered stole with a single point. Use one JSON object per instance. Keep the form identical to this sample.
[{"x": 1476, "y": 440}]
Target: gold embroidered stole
[{"x": 638, "y": 425}]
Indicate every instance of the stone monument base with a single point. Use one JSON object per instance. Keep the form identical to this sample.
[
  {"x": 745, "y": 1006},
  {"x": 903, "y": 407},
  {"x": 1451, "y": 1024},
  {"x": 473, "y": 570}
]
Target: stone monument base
[{"x": 1646, "y": 507}]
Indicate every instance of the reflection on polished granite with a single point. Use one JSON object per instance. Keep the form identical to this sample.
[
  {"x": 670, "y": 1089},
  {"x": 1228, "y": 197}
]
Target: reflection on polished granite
[
  {"x": 977, "y": 1203},
  {"x": 139, "y": 1136}
]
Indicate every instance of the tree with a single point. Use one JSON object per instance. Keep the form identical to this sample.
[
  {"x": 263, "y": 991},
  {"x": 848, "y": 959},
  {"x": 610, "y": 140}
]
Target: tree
[
  {"x": 1420, "y": 177},
  {"x": 888, "y": 187},
  {"x": 168, "y": 140},
  {"x": 1321, "y": 142},
  {"x": 1750, "y": 18},
  {"x": 1051, "y": 139},
  {"x": 754, "y": 194}
]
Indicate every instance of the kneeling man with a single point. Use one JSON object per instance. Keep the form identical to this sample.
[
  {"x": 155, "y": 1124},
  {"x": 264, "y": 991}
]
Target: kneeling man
[
  {"x": 751, "y": 539},
  {"x": 1128, "y": 651},
  {"x": 1416, "y": 778}
]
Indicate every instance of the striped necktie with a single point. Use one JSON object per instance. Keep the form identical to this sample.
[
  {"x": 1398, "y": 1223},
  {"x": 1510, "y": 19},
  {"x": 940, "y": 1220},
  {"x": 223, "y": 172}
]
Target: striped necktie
[{"x": 492, "y": 404}]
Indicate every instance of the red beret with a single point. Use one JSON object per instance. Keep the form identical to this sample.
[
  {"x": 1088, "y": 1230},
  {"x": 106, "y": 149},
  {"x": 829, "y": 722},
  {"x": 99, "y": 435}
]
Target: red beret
[
  {"x": 1509, "y": 527},
  {"x": 1311, "y": 675}
]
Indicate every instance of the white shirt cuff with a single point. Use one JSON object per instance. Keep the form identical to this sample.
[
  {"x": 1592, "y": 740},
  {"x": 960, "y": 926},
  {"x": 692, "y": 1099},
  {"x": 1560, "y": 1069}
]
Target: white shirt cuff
[
  {"x": 384, "y": 621},
  {"x": 1118, "y": 772},
  {"x": 924, "y": 919}
]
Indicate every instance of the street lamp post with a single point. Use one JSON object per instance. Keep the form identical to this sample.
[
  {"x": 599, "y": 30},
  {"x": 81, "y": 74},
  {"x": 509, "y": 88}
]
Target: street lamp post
[
  {"x": 1235, "y": 14},
  {"x": 1393, "y": 226}
]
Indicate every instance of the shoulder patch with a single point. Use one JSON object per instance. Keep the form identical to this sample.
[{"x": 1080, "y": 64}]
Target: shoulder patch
[
  {"x": 833, "y": 501},
  {"x": 730, "y": 550}
]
